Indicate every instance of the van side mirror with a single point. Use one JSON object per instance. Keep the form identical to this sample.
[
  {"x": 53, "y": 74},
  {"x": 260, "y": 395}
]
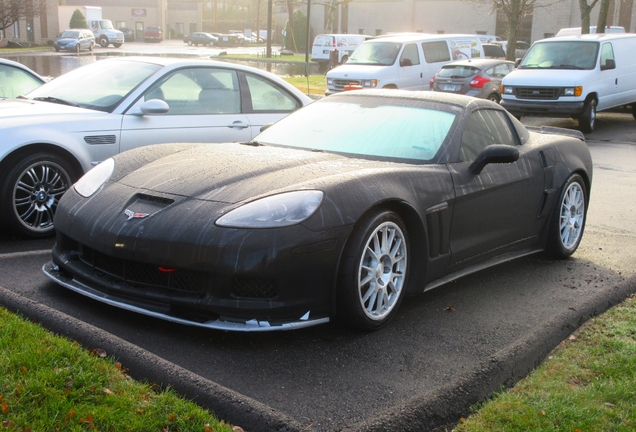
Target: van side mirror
[
  {"x": 517, "y": 62},
  {"x": 609, "y": 64},
  {"x": 406, "y": 62},
  {"x": 495, "y": 153}
]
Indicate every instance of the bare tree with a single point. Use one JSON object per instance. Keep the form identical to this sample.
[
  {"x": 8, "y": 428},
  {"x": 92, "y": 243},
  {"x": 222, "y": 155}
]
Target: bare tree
[
  {"x": 514, "y": 11},
  {"x": 586, "y": 9},
  {"x": 12, "y": 11},
  {"x": 602, "y": 16}
]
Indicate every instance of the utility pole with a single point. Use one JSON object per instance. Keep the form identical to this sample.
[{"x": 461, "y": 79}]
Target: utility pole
[{"x": 269, "y": 28}]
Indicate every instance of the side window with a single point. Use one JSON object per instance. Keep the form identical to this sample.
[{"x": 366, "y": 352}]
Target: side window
[
  {"x": 499, "y": 71},
  {"x": 436, "y": 51},
  {"x": 267, "y": 97},
  {"x": 410, "y": 56},
  {"x": 607, "y": 53},
  {"x": 15, "y": 82},
  {"x": 199, "y": 91},
  {"x": 483, "y": 128}
]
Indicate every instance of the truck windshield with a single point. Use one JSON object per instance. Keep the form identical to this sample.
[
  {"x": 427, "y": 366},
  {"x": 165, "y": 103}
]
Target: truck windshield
[
  {"x": 106, "y": 25},
  {"x": 375, "y": 53},
  {"x": 561, "y": 55}
]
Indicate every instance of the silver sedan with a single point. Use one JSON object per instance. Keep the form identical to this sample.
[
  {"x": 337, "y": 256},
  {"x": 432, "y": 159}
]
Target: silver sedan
[{"x": 59, "y": 131}]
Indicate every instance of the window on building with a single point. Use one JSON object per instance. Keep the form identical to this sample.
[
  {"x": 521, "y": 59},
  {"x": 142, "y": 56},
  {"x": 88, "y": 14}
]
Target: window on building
[
  {"x": 548, "y": 35},
  {"x": 360, "y": 31},
  {"x": 16, "y": 30},
  {"x": 378, "y": 32},
  {"x": 120, "y": 24},
  {"x": 180, "y": 29}
]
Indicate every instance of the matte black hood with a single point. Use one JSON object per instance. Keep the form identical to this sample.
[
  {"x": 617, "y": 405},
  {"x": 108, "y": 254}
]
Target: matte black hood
[{"x": 234, "y": 172}]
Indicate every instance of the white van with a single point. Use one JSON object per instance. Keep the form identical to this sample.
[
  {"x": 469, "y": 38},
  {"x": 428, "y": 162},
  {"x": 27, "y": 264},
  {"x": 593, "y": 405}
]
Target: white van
[
  {"x": 344, "y": 44},
  {"x": 577, "y": 30},
  {"x": 402, "y": 61},
  {"x": 573, "y": 76}
]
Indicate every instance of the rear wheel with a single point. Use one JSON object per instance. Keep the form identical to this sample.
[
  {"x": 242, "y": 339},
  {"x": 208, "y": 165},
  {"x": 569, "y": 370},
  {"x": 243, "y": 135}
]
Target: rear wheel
[
  {"x": 34, "y": 186},
  {"x": 587, "y": 120},
  {"x": 373, "y": 271},
  {"x": 568, "y": 219}
]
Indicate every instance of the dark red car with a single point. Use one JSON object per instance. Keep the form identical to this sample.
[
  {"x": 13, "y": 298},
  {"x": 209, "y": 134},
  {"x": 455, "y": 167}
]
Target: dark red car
[{"x": 153, "y": 34}]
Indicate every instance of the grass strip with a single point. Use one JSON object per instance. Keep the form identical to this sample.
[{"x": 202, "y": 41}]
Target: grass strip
[
  {"x": 587, "y": 384},
  {"x": 50, "y": 383}
]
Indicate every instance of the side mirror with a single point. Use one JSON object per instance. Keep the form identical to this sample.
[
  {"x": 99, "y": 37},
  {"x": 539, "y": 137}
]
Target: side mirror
[
  {"x": 495, "y": 153},
  {"x": 152, "y": 106},
  {"x": 609, "y": 64},
  {"x": 517, "y": 62}
]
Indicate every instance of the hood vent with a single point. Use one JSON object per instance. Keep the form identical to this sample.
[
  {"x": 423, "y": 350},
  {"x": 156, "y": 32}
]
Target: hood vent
[{"x": 101, "y": 139}]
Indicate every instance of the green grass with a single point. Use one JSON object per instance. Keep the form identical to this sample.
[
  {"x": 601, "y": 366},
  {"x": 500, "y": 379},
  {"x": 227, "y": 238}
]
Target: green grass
[
  {"x": 316, "y": 84},
  {"x": 48, "y": 383},
  {"x": 35, "y": 48},
  {"x": 587, "y": 384}
]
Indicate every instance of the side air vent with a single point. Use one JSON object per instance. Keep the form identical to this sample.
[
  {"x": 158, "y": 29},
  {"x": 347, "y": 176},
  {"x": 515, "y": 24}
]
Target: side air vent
[{"x": 100, "y": 139}]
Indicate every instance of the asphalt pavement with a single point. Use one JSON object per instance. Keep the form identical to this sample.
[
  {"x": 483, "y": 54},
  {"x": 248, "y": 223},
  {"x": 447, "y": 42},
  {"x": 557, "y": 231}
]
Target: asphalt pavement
[{"x": 446, "y": 350}]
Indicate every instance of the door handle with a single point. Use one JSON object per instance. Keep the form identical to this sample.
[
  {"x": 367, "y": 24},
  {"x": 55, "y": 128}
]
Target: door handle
[{"x": 238, "y": 125}]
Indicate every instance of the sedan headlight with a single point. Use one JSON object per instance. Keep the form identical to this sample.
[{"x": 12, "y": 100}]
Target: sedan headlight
[
  {"x": 274, "y": 211},
  {"x": 95, "y": 178}
]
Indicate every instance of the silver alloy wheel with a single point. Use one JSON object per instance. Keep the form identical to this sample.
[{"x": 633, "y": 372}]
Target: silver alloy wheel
[
  {"x": 382, "y": 270},
  {"x": 37, "y": 193},
  {"x": 572, "y": 215}
]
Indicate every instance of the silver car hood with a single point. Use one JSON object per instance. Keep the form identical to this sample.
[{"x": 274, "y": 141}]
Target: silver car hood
[{"x": 24, "y": 112}]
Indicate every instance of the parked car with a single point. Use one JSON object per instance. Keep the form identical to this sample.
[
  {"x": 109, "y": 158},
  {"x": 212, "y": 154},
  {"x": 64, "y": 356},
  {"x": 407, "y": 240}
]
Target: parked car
[
  {"x": 227, "y": 39},
  {"x": 201, "y": 38},
  {"x": 153, "y": 34},
  {"x": 129, "y": 34},
  {"x": 68, "y": 125},
  {"x": 477, "y": 77},
  {"x": 17, "y": 79},
  {"x": 337, "y": 211},
  {"x": 574, "y": 76},
  {"x": 75, "y": 40},
  {"x": 493, "y": 51}
]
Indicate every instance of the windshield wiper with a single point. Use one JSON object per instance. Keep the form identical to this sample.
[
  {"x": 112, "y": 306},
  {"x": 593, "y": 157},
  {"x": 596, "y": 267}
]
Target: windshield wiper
[
  {"x": 565, "y": 66},
  {"x": 55, "y": 100}
]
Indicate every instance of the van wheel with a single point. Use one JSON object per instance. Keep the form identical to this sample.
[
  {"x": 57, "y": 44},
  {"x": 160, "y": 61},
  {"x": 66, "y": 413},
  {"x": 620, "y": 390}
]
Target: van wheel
[
  {"x": 587, "y": 120},
  {"x": 494, "y": 98},
  {"x": 103, "y": 42}
]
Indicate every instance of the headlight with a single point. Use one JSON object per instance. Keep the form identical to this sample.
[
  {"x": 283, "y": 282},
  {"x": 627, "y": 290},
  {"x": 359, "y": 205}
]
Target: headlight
[
  {"x": 95, "y": 178},
  {"x": 274, "y": 211},
  {"x": 370, "y": 83},
  {"x": 329, "y": 81},
  {"x": 573, "y": 91},
  {"x": 507, "y": 90}
]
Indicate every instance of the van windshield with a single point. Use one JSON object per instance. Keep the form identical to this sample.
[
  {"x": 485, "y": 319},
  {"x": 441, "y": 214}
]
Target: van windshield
[
  {"x": 375, "y": 53},
  {"x": 561, "y": 55}
]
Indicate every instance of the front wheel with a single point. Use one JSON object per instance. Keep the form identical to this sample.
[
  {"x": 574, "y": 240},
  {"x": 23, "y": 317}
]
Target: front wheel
[
  {"x": 189, "y": 43},
  {"x": 78, "y": 48},
  {"x": 117, "y": 45},
  {"x": 34, "y": 186},
  {"x": 373, "y": 271},
  {"x": 494, "y": 97},
  {"x": 587, "y": 120},
  {"x": 103, "y": 42},
  {"x": 568, "y": 219}
]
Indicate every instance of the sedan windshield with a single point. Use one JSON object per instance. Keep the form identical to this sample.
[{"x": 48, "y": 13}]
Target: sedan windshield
[
  {"x": 561, "y": 55},
  {"x": 69, "y": 34},
  {"x": 100, "y": 86},
  {"x": 375, "y": 53},
  {"x": 364, "y": 126}
]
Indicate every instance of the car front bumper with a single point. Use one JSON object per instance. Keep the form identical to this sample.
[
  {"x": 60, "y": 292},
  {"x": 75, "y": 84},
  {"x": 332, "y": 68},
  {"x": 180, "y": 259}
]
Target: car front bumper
[{"x": 543, "y": 109}]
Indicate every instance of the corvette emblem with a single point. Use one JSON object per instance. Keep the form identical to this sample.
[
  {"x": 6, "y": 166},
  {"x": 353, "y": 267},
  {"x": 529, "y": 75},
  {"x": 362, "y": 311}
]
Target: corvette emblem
[{"x": 132, "y": 215}]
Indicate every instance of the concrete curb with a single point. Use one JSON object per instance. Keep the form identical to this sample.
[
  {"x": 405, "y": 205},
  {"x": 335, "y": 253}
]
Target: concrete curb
[
  {"x": 227, "y": 405},
  {"x": 436, "y": 410},
  {"x": 441, "y": 409}
]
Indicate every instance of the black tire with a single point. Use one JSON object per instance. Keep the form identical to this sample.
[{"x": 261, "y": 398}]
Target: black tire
[
  {"x": 494, "y": 97},
  {"x": 587, "y": 120},
  {"x": 103, "y": 42},
  {"x": 78, "y": 48},
  {"x": 32, "y": 189},
  {"x": 57, "y": 49},
  {"x": 117, "y": 45},
  {"x": 189, "y": 43},
  {"x": 634, "y": 110},
  {"x": 568, "y": 219},
  {"x": 372, "y": 279}
]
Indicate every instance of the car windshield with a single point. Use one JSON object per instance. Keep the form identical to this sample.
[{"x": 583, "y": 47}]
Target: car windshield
[
  {"x": 399, "y": 129},
  {"x": 561, "y": 55},
  {"x": 100, "y": 86},
  {"x": 71, "y": 34},
  {"x": 375, "y": 53},
  {"x": 457, "y": 71}
]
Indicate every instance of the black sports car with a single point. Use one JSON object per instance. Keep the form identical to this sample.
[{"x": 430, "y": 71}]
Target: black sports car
[{"x": 337, "y": 211}]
